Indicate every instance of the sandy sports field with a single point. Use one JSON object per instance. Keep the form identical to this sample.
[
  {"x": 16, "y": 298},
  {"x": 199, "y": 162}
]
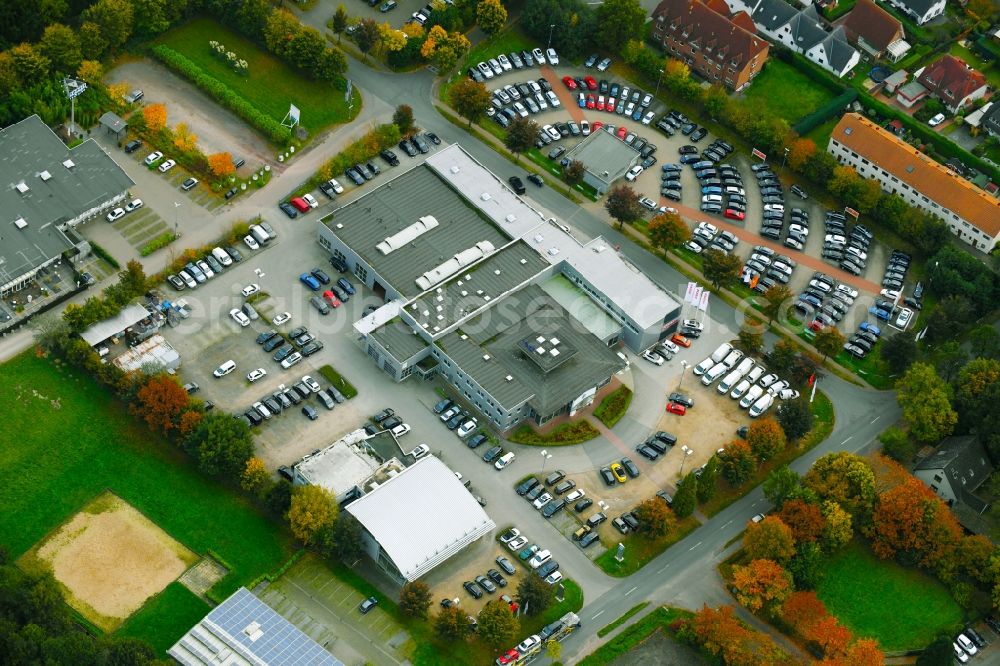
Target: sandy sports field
[{"x": 109, "y": 559}]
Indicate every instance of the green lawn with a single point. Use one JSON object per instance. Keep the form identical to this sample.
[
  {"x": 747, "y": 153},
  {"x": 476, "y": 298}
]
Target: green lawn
[
  {"x": 987, "y": 68},
  {"x": 901, "y": 607},
  {"x": 81, "y": 442},
  {"x": 270, "y": 85},
  {"x": 166, "y": 617},
  {"x": 784, "y": 91}
]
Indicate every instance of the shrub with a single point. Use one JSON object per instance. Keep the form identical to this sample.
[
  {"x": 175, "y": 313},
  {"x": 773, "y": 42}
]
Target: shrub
[
  {"x": 338, "y": 381},
  {"x": 614, "y": 406},
  {"x": 564, "y": 435},
  {"x": 104, "y": 254},
  {"x": 157, "y": 243}
]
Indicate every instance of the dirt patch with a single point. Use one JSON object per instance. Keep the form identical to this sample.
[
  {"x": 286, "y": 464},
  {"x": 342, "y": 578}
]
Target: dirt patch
[
  {"x": 709, "y": 426},
  {"x": 109, "y": 559},
  {"x": 659, "y": 650}
]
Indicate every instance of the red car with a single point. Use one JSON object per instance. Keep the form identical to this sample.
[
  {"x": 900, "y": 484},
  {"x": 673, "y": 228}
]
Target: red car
[
  {"x": 816, "y": 326},
  {"x": 600, "y": 103},
  {"x": 596, "y": 126},
  {"x": 508, "y": 657},
  {"x": 300, "y": 204},
  {"x": 591, "y": 83},
  {"x": 676, "y": 408},
  {"x": 622, "y": 131},
  {"x": 681, "y": 340},
  {"x": 734, "y": 214},
  {"x": 609, "y": 106},
  {"x": 330, "y": 298},
  {"x": 569, "y": 82},
  {"x": 591, "y": 102}
]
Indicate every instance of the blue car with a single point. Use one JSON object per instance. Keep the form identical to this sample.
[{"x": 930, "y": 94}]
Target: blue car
[
  {"x": 309, "y": 281},
  {"x": 711, "y": 189},
  {"x": 811, "y": 300},
  {"x": 346, "y": 285},
  {"x": 637, "y": 114},
  {"x": 581, "y": 101},
  {"x": 870, "y": 328},
  {"x": 881, "y": 314}
]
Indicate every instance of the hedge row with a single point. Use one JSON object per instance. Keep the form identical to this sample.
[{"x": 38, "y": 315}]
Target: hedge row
[
  {"x": 832, "y": 108},
  {"x": 104, "y": 254},
  {"x": 224, "y": 95},
  {"x": 368, "y": 146},
  {"x": 157, "y": 243}
]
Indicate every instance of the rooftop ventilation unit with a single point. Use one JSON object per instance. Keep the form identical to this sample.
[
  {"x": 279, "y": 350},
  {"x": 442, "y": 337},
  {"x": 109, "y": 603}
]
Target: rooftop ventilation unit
[
  {"x": 20, "y": 223},
  {"x": 454, "y": 168},
  {"x": 523, "y": 261},
  {"x": 509, "y": 378},
  {"x": 496, "y": 272},
  {"x": 553, "y": 251},
  {"x": 69, "y": 164},
  {"x": 464, "y": 293},
  {"x": 540, "y": 350},
  {"x": 554, "y": 352},
  {"x": 463, "y": 337},
  {"x": 540, "y": 339},
  {"x": 253, "y": 631},
  {"x": 486, "y": 357},
  {"x": 554, "y": 341},
  {"x": 511, "y": 218},
  {"x": 21, "y": 187},
  {"x": 479, "y": 292},
  {"x": 485, "y": 196},
  {"x": 340, "y": 225},
  {"x": 539, "y": 238},
  {"x": 468, "y": 277},
  {"x": 410, "y": 233},
  {"x": 487, "y": 297},
  {"x": 45, "y": 175}
]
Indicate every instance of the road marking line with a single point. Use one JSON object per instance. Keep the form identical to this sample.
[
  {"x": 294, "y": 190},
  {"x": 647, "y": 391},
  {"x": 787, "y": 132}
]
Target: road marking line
[
  {"x": 694, "y": 546},
  {"x": 632, "y": 590},
  {"x": 847, "y": 440},
  {"x": 599, "y": 613},
  {"x": 662, "y": 569},
  {"x": 726, "y": 525},
  {"x": 875, "y": 419}
]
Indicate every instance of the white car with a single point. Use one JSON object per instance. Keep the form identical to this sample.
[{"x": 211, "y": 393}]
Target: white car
[
  {"x": 311, "y": 200},
  {"x": 936, "y": 120},
  {"x": 250, "y": 289},
  {"x": 763, "y": 403},
  {"x": 960, "y": 654},
  {"x": 648, "y": 118},
  {"x": 517, "y": 543},
  {"x": 135, "y": 204},
  {"x": 540, "y": 558},
  {"x": 542, "y": 500},
  {"x": 504, "y": 62},
  {"x": 552, "y": 132},
  {"x": 844, "y": 289},
  {"x": 777, "y": 387},
  {"x": 693, "y": 323},
  {"x": 291, "y": 360},
  {"x": 167, "y": 166},
  {"x": 251, "y": 242},
  {"x": 904, "y": 317},
  {"x": 710, "y": 227},
  {"x": 652, "y": 357},
  {"x": 152, "y": 157},
  {"x": 740, "y": 389},
  {"x": 892, "y": 294},
  {"x": 553, "y": 98},
  {"x": 420, "y": 451},
  {"x": 466, "y": 428},
  {"x": 311, "y": 383},
  {"x": 205, "y": 268},
  {"x": 553, "y": 57},
  {"x": 751, "y": 397},
  {"x": 575, "y": 495},
  {"x": 633, "y": 173},
  {"x": 767, "y": 380},
  {"x": 647, "y": 203},
  {"x": 116, "y": 215},
  {"x": 401, "y": 429},
  {"x": 529, "y": 644},
  {"x": 539, "y": 57},
  {"x": 239, "y": 317},
  {"x": 670, "y": 347},
  {"x": 337, "y": 187},
  {"x": 554, "y": 577},
  {"x": 509, "y": 535},
  {"x": 966, "y": 644},
  {"x": 504, "y": 460},
  {"x": 585, "y": 128},
  {"x": 703, "y": 367},
  {"x": 281, "y": 318},
  {"x": 254, "y": 375},
  {"x": 694, "y": 247}
]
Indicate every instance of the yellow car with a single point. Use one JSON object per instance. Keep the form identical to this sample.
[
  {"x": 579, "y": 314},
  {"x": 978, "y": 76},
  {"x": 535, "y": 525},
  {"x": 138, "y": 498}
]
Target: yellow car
[{"x": 619, "y": 472}]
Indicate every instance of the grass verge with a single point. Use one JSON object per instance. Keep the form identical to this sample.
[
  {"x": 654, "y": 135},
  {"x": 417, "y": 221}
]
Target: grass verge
[
  {"x": 884, "y": 600},
  {"x": 823, "y": 423},
  {"x": 166, "y": 617},
  {"x": 608, "y": 628},
  {"x": 566, "y": 434},
  {"x": 338, "y": 381},
  {"x": 659, "y": 619},
  {"x": 613, "y": 407},
  {"x": 640, "y": 549},
  {"x": 782, "y": 90},
  {"x": 158, "y": 243}
]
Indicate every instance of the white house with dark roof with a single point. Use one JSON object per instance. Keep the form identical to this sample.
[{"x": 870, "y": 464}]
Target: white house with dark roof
[{"x": 921, "y": 11}]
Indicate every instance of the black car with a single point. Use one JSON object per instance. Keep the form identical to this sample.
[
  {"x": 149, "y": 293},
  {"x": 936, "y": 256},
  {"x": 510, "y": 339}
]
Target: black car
[
  {"x": 176, "y": 282},
  {"x": 389, "y": 157},
  {"x": 407, "y": 148},
  {"x": 555, "y": 477},
  {"x": 338, "y": 264},
  {"x": 533, "y": 494},
  {"x": 698, "y": 134},
  {"x": 231, "y": 192},
  {"x": 526, "y": 485},
  {"x": 326, "y": 188},
  {"x": 442, "y": 405},
  {"x": 547, "y": 568},
  {"x": 553, "y": 507},
  {"x": 433, "y": 138},
  {"x": 320, "y": 275},
  {"x": 420, "y": 144},
  {"x": 536, "y": 179},
  {"x": 646, "y": 452},
  {"x": 631, "y": 520},
  {"x": 630, "y": 467},
  {"x": 505, "y": 564},
  {"x": 265, "y": 336},
  {"x": 497, "y": 577},
  {"x": 288, "y": 209},
  {"x": 310, "y": 413},
  {"x": 516, "y": 184},
  {"x": 234, "y": 253},
  {"x": 283, "y": 352},
  {"x": 669, "y": 439},
  {"x": 609, "y": 478},
  {"x": 564, "y": 486},
  {"x": 682, "y": 398},
  {"x": 473, "y": 589},
  {"x": 253, "y": 416},
  {"x": 133, "y": 146},
  {"x": 583, "y": 505},
  {"x": 492, "y": 454},
  {"x": 666, "y": 497},
  {"x": 355, "y": 177},
  {"x": 383, "y": 415},
  {"x": 311, "y": 348},
  {"x": 588, "y": 539}
]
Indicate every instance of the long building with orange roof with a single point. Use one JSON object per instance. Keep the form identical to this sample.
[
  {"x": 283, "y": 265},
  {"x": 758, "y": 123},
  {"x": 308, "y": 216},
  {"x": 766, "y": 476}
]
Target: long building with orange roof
[{"x": 971, "y": 213}]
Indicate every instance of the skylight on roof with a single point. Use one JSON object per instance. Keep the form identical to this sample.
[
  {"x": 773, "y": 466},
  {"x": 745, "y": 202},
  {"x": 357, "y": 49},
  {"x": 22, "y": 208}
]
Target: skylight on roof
[
  {"x": 45, "y": 175},
  {"x": 21, "y": 187},
  {"x": 69, "y": 164},
  {"x": 20, "y": 223}
]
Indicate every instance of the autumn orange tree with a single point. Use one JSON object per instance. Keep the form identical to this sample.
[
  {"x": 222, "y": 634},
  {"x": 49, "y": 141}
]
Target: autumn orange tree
[
  {"x": 721, "y": 633},
  {"x": 160, "y": 403},
  {"x": 766, "y": 438},
  {"x": 831, "y": 637},
  {"x": 801, "y": 611},
  {"x": 805, "y": 520},
  {"x": 155, "y": 116},
  {"x": 762, "y": 585},
  {"x": 655, "y": 518},
  {"x": 770, "y": 539},
  {"x": 800, "y": 152},
  {"x": 221, "y": 164},
  {"x": 189, "y": 421}
]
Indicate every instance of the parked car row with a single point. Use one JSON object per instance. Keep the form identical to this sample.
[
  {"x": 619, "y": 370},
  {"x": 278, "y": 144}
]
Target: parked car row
[
  {"x": 743, "y": 378},
  {"x": 204, "y": 269},
  {"x": 824, "y": 301},
  {"x": 706, "y": 236},
  {"x": 119, "y": 213},
  {"x": 674, "y": 121},
  {"x": 503, "y": 63},
  {"x": 153, "y": 159},
  {"x": 967, "y": 644},
  {"x": 388, "y": 419},
  {"x": 285, "y": 398},
  {"x": 611, "y": 97},
  {"x": 533, "y": 555},
  {"x": 656, "y": 445}
]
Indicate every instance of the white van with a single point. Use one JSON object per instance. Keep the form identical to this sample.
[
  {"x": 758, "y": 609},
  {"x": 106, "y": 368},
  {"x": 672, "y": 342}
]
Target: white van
[
  {"x": 222, "y": 256},
  {"x": 721, "y": 352},
  {"x": 717, "y": 371},
  {"x": 259, "y": 234},
  {"x": 756, "y": 373},
  {"x": 225, "y": 368},
  {"x": 741, "y": 388},
  {"x": 762, "y": 405},
  {"x": 729, "y": 381},
  {"x": 704, "y": 366},
  {"x": 745, "y": 365},
  {"x": 733, "y": 358},
  {"x": 504, "y": 460},
  {"x": 751, "y": 396}
]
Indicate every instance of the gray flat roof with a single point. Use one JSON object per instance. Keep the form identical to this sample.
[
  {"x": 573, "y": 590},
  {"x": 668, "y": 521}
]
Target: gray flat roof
[
  {"x": 46, "y": 184},
  {"x": 399, "y": 204},
  {"x": 605, "y": 156},
  {"x": 498, "y": 333},
  {"x": 422, "y": 516},
  {"x": 102, "y": 330},
  {"x": 398, "y": 339},
  {"x": 339, "y": 467},
  {"x": 581, "y": 306}
]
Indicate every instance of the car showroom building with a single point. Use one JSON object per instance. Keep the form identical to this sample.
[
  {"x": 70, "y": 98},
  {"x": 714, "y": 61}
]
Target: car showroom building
[{"x": 473, "y": 276}]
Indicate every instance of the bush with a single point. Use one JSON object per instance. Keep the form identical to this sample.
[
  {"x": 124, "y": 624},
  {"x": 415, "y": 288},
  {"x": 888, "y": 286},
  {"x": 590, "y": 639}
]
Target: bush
[
  {"x": 564, "y": 435},
  {"x": 160, "y": 242},
  {"x": 832, "y": 108},
  {"x": 338, "y": 381},
  {"x": 222, "y": 94},
  {"x": 368, "y": 146},
  {"x": 104, "y": 254},
  {"x": 614, "y": 406}
]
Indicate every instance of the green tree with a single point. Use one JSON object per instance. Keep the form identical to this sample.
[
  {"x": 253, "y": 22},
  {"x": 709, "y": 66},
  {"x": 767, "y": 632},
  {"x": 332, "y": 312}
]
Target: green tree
[
  {"x": 782, "y": 357},
  {"x": 766, "y": 438},
  {"x": 534, "y": 595},
  {"x": 781, "y": 484},
  {"x": 255, "y": 479},
  {"x": 620, "y": 20},
  {"x": 808, "y": 567},
  {"x": 985, "y": 342},
  {"x": 415, "y": 599},
  {"x": 452, "y": 624},
  {"x": 655, "y": 518},
  {"x": 497, "y": 624},
  {"x": 667, "y": 230},
  {"x": 839, "y": 528},
  {"x": 221, "y": 444},
  {"x": 573, "y": 172},
  {"x": 343, "y": 540},
  {"x": 774, "y": 299},
  {"x": 846, "y": 478},
  {"x": 366, "y": 36},
  {"x": 31, "y": 66},
  {"x": 950, "y": 318},
  {"x": 708, "y": 482},
  {"x": 770, "y": 539},
  {"x": 62, "y": 47},
  {"x": 923, "y": 397},
  {"x": 686, "y": 496},
  {"x": 313, "y": 509},
  {"x": 738, "y": 463},
  {"x": 339, "y": 21},
  {"x": 899, "y": 352},
  {"x": 795, "y": 418},
  {"x": 470, "y": 99},
  {"x": 491, "y": 16},
  {"x": 623, "y": 205},
  {"x": 553, "y": 650},
  {"x": 719, "y": 268},
  {"x": 151, "y": 17},
  {"x": 403, "y": 118},
  {"x": 829, "y": 341},
  {"x": 750, "y": 341},
  {"x": 279, "y": 498},
  {"x": 114, "y": 18},
  {"x": 897, "y": 445},
  {"x": 938, "y": 653},
  {"x": 521, "y": 136}
]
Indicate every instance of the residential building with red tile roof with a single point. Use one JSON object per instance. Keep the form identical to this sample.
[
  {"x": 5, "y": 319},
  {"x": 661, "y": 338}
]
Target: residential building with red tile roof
[
  {"x": 719, "y": 48},
  {"x": 873, "y": 29},
  {"x": 953, "y": 82},
  {"x": 971, "y": 213}
]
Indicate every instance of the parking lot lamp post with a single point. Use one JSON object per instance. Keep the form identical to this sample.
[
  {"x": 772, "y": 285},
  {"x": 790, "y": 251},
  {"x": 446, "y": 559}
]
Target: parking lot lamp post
[
  {"x": 684, "y": 366},
  {"x": 545, "y": 458},
  {"x": 177, "y": 205},
  {"x": 783, "y": 158},
  {"x": 553, "y": 25},
  {"x": 687, "y": 452},
  {"x": 658, "y": 79}
]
